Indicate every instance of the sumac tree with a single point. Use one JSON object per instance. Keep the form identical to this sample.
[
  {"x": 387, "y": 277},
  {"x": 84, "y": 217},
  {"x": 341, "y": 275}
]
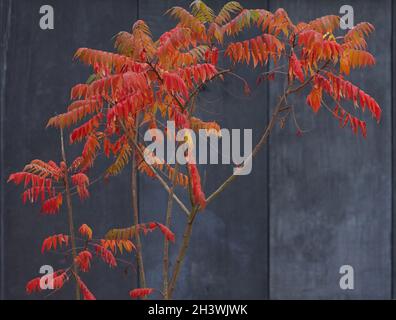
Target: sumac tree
[{"x": 147, "y": 82}]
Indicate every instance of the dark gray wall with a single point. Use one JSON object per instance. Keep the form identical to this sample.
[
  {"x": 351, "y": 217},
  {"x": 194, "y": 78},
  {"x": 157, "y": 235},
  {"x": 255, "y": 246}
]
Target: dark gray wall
[
  {"x": 330, "y": 194},
  {"x": 312, "y": 203}
]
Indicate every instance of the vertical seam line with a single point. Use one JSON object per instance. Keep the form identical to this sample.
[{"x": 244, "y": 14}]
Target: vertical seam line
[
  {"x": 392, "y": 234},
  {"x": 5, "y": 40},
  {"x": 268, "y": 187},
  {"x": 137, "y": 173}
]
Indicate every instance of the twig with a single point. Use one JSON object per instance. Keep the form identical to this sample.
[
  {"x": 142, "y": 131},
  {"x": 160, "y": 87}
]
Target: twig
[
  {"x": 182, "y": 251},
  {"x": 256, "y": 149},
  {"x": 158, "y": 177},
  {"x": 56, "y": 290},
  {"x": 134, "y": 194},
  {"x": 288, "y": 91},
  {"x": 194, "y": 211},
  {"x": 168, "y": 217},
  {"x": 69, "y": 211}
]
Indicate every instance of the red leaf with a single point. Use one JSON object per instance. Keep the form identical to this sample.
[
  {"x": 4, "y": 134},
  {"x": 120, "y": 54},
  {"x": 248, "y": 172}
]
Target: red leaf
[
  {"x": 140, "y": 292},
  {"x": 295, "y": 68},
  {"x": 86, "y": 231},
  {"x": 83, "y": 260},
  {"x": 81, "y": 181},
  {"x": 175, "y": 84},
  {"x": 59, "y": 279},
  {"x": 198, "y": 195},
  {"x": 345, "y": 89},
  {"x": 87, "y": 294},
  {"x": 314, "y": 99},
  {"x": 106, "y": 255},
  {"x": 33, "y": 285},
  {"x": 52, "y": 205},
  {"x": 167, "y": 232},
  {"x": 54, "y": 241},
  {"x": 82, "y": 132}
]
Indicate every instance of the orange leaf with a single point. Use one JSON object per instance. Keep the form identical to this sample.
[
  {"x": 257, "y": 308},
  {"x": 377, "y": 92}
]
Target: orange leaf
[{"x": 86, "y": 231}]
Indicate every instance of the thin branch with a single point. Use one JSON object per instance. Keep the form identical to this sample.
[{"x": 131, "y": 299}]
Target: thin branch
[
  {"x": 157, "y": 175},
  {"x": 100, "y": 177},
  {"x": 56, "y": 290},
  {"x": 263, "y": 140},
  {"x": 69, "y": 212},
  {"x": 303, "y": 85},
  {"x": 194, "y": 211},
  {"x": 154, "y": 69},
  {"x": 134, "y": 195},
  {"x": 168, "y": 217},
  {"x": 182, "y": 251},
  {"x": 197, "y": 89},
  {"x": 256, "y": 149}
]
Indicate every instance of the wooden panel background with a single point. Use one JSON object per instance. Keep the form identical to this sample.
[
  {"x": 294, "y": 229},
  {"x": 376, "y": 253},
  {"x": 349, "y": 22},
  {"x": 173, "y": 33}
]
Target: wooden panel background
[
  {"x": 40, "y": 71},
  {"x": 311, "y": 204},
  {"x": 228, "y": 239},
  {"x": 330, "y": 192}
]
